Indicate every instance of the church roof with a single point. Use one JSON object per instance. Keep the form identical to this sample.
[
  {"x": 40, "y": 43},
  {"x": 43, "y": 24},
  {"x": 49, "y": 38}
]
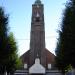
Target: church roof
[
  {"x": 50, "y": 57},
  {"x": 25, "y": 57}
]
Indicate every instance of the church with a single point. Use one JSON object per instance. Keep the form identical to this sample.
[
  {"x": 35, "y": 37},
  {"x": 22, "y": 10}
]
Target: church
[
  {"x": 37, "y": 39},
  {"x": 37, "y": 60}
]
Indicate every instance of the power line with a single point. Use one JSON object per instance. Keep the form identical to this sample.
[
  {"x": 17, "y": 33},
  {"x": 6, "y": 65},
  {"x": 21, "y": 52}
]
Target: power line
[{"x": 49, "y": 37}]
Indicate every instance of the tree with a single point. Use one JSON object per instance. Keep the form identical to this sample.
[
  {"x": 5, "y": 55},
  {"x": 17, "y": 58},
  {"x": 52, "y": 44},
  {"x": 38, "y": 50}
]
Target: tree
[
  {"x": 65, "y": 51},
  {"x": 9, "y": 60},
  {"x": 14, "y": 61},
  {"x": 3, "y": 40}
]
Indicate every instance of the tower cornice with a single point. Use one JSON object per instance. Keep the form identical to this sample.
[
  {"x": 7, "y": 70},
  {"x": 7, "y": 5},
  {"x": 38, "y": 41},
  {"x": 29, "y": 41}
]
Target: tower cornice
[{"x": 38, "y": 2}]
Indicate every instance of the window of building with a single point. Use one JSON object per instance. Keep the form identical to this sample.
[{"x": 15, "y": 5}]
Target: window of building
[{"x": 25, "y": 66}]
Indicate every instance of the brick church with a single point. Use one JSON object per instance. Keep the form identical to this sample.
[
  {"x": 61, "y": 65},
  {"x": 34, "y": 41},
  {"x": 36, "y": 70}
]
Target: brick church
[
  {"x": 37, "y": 39},
  {"x": 37, "y": 59}
]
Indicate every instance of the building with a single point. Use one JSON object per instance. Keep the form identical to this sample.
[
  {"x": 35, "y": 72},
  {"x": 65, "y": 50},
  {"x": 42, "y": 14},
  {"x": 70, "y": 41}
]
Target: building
[
  {"x": 37, "y": 60},
  {"x": 37, "y": 39}
]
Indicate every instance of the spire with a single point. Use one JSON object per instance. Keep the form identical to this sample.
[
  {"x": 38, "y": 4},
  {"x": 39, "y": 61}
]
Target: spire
[{"x": 37, "y": 2}]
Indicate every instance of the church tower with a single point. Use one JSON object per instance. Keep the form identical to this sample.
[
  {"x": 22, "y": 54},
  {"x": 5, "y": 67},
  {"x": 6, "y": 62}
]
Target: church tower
[{"x": 37, "y": 38}]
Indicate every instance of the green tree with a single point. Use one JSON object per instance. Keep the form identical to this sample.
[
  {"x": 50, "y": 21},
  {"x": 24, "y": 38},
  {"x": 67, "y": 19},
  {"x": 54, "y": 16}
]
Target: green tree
[
  {"x": 14, "y": 61},
  {"x": 65, "y": 51},
  {"x": 3, "y": 40},
  {"x": 9, "y": 60}
]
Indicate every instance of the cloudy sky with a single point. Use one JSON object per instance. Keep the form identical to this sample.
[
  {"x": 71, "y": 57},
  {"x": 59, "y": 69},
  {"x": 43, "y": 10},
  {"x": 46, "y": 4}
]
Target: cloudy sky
[{"x": 20, "y": 12}]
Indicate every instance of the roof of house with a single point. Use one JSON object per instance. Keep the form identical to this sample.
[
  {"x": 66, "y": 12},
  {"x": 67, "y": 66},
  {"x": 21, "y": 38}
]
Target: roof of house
[{"x": 50, "y": 57}]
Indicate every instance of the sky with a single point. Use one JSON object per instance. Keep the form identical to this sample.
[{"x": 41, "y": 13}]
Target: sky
[{"x": 20, "y": 12}]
